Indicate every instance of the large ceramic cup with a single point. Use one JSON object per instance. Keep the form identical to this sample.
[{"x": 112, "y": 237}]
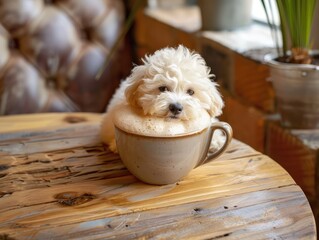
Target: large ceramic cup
[{"x": 165, "y": 160}]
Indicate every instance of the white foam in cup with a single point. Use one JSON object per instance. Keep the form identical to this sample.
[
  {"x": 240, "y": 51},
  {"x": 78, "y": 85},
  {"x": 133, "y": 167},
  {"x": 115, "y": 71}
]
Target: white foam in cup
[
  {"x": 163, "y": 151},
  {"x": 133, "y": 121}
]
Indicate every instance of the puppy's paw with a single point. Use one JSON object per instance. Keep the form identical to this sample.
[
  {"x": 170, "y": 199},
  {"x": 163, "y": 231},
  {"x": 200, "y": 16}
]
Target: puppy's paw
[
  {"x": 217, "y": 142},
  {"x": 112, "y": 146}
]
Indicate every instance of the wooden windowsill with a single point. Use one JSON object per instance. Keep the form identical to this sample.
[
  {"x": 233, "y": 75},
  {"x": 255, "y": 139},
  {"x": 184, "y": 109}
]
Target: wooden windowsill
[
  {"x": 184, "y": 18},
  {"x": 254, "y": 37}
]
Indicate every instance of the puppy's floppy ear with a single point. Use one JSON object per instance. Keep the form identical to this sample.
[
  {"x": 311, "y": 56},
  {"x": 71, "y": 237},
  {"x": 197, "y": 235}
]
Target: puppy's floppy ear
[
  {"x": 212, "y": 77},
  {"x": 133, "y": 82},
  {"x": 216, "y": 102}
]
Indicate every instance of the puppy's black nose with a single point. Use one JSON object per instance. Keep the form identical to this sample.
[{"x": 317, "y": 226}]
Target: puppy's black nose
[{"x": 175, "y": 108}]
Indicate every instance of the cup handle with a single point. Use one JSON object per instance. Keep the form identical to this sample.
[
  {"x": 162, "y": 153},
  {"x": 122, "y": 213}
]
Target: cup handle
[{"x": 227, "y": 130}]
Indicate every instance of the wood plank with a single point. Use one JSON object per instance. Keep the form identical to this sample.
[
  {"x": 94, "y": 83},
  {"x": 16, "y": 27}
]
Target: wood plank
[
  {"x": 41, "y": 141},
  {"x": 29, "y": 122},
  {"x": 47, "y": 132},
  {"x": 111, "y": 184},
  {"x": 258, "y": 215}
]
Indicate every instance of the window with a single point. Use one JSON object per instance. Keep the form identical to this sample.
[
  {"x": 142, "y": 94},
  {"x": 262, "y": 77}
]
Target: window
[{"x": 258, "y": 12}]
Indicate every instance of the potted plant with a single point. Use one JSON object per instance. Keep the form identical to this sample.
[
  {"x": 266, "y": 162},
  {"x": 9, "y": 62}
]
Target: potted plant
[{"x": 294, "y": 70}]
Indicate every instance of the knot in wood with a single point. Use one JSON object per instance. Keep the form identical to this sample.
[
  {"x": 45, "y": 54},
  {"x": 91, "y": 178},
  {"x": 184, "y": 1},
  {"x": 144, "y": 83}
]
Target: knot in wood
[
  {"x": 3, "y": 167},
  {"x": 74, "y": 119},
  {"x": 73, "y": 198}
]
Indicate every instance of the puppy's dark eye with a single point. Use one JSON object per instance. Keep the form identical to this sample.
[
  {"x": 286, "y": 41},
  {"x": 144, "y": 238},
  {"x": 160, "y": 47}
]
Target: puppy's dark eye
[
  {"x": 190, "y": 92},
  {"x": 163, "y": 89}
]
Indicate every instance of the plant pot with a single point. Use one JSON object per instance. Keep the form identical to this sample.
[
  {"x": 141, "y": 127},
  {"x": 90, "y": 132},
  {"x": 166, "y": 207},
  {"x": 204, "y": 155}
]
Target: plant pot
[
  {"x": 220, "y": 15},
  {"x": 297, "y": 93}
]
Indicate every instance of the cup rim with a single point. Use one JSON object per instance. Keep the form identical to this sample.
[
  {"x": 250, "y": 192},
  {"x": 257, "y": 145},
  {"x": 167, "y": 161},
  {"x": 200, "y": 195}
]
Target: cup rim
[{"x": 183, "y": 135}]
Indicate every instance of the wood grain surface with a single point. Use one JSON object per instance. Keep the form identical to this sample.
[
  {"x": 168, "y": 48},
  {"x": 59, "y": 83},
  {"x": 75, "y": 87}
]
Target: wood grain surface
[{"x": 58, "y": 181}]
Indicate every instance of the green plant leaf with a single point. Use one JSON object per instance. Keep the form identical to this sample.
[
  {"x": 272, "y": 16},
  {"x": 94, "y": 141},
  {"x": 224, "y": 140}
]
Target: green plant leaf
[{"x": 296, "y": 21}]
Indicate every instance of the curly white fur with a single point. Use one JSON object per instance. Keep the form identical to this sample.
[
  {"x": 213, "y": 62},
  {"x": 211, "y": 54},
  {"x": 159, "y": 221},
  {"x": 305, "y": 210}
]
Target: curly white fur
[{"x": 170, "y": 77}]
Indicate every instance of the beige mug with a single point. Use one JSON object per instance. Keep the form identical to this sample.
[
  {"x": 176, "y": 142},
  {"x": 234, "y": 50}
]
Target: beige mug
[{"x": 166, "y": 160}]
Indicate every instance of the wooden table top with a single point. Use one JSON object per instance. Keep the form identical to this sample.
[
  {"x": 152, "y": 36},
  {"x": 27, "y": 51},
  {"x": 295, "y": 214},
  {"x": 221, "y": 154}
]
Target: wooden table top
[{"x": 57, "y": 181}]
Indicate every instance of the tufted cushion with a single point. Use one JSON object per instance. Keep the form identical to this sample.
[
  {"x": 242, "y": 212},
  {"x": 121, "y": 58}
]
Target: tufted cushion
[{"x": 51, "y": 52}]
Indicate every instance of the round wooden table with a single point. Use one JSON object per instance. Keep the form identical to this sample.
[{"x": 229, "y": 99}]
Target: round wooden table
[{"x": 57, "y": 181}]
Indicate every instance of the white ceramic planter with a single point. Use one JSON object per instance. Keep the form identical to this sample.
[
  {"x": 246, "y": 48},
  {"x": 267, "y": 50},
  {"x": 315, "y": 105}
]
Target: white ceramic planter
[{"x": 297, "y": 92}]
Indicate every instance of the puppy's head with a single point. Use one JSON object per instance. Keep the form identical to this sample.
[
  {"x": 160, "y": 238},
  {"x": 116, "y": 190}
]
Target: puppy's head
[{"x": 173, "y": 83}]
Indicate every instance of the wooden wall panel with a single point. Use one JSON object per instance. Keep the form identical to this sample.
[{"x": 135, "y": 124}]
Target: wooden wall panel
[
  {"x": 247, "y": 122},
  {"x": 250, "y": 83}
]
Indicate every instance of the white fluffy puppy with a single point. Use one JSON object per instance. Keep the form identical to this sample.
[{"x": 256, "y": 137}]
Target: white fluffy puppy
[{"x": 171, "y": 83}]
